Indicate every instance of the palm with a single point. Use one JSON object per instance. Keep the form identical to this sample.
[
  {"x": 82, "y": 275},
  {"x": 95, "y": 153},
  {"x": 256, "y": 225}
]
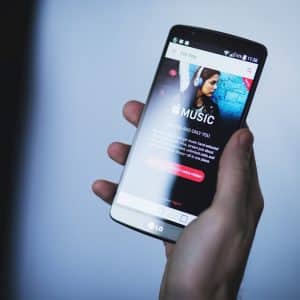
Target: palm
[{"x": 119, "y": 151}]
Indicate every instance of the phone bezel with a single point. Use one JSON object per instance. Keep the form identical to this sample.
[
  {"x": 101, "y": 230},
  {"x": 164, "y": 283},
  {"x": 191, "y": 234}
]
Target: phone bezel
[{"x": 131, "y": 218}]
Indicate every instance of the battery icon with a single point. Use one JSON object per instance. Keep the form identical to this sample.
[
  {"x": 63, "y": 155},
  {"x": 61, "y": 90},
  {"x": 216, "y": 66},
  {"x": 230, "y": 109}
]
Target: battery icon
[{"x": 244, "y": 57}]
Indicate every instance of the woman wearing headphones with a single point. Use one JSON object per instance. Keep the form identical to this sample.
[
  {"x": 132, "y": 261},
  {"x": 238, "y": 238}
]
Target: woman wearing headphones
[{"x": 200, "y": 91}]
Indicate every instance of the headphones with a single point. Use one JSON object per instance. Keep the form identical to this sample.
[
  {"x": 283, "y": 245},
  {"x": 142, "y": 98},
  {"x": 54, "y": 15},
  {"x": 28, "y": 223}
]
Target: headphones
[{"x": 198, "y": 81}]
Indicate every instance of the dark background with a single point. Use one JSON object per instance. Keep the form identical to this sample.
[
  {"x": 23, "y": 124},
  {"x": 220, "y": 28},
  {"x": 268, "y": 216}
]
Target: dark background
[{"x": 17, "y": 22}]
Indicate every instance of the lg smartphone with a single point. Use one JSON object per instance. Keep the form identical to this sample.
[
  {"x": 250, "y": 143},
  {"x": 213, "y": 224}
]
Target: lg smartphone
[{"x": 200, "y": 95}]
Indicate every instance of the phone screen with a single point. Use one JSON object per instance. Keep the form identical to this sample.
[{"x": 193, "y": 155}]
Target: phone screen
[{"x": 198, "y": 99}]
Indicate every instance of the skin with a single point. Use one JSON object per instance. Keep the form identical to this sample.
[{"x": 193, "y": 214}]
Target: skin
[
  {"x": 207, "y": 89},
  {"x": 209, "y": 258}
]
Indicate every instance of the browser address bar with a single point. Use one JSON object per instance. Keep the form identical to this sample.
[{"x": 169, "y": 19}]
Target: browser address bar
[{"x": 211, "y": 60}]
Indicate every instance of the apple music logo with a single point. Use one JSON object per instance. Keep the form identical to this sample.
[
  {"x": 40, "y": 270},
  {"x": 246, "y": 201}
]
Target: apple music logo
[{"x": 193, "y": 114}]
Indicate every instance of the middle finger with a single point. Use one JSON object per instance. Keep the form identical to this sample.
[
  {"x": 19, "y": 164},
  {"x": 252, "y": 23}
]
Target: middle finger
[{"x": 118, "y": 152}]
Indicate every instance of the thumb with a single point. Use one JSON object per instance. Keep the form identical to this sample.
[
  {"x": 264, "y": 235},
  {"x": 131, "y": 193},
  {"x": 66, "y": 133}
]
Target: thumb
[{"x": 234, "y": 168}]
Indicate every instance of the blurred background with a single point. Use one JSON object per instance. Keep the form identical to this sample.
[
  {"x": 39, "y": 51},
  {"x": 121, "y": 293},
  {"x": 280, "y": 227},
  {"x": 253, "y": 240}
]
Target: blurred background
[{"x": 84, "y": 60}]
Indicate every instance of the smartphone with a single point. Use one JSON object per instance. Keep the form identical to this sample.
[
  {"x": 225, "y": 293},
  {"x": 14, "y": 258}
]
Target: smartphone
[{"x": 200, "y": 96}]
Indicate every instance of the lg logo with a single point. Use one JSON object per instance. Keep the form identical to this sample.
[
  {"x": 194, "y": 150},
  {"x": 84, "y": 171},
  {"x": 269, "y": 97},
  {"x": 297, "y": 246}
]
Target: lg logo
[{"x": 155, "y": 227}]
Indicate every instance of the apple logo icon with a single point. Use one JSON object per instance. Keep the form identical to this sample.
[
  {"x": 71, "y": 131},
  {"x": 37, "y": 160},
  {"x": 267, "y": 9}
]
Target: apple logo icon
[{"x": 176, "y": 109}]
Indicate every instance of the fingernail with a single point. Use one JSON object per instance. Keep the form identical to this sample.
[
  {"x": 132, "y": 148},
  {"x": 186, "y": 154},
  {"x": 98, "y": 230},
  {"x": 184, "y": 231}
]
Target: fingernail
[{"x": 246, "y": 140}]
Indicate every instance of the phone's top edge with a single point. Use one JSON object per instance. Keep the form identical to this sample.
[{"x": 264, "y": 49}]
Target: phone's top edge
[{"x": 226, "y": 35}]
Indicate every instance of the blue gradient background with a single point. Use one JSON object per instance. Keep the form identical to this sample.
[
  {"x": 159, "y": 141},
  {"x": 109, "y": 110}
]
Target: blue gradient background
[{"x": 89, "y": 58}]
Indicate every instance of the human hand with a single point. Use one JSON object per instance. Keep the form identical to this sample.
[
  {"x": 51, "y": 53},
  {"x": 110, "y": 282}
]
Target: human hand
[{"x": 209, "y": 258}]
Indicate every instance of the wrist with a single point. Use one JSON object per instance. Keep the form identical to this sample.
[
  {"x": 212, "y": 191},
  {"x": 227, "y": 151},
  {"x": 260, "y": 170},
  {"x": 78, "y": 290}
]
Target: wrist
[{"x": 192, "y": 292}]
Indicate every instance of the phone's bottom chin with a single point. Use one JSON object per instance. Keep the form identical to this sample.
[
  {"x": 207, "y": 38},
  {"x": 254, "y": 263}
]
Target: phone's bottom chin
[{"x": 146, "y": 224}]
